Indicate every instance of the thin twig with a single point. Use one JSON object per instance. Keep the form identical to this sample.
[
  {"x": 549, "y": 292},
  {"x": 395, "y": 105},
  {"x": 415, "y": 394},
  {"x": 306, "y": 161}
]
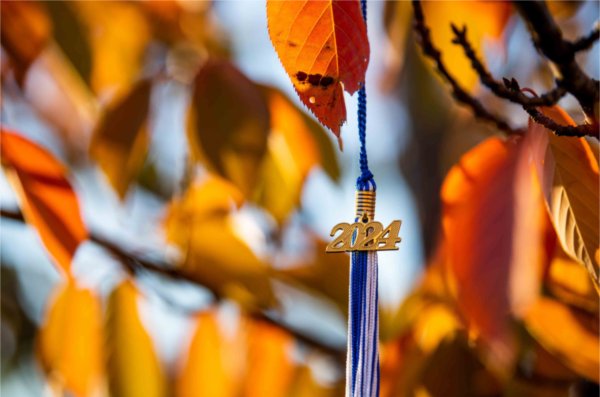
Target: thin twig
[
  {"x": 503, "y": 90},
  {"x": 548, "y": 38},
  {"x": 562, "y": 130},
  {"x": 510, "y": 90},
  {"x": 459, "y": 93},
  {"x": 136, "y": 265},
  {"x": 586, "y": 42}
]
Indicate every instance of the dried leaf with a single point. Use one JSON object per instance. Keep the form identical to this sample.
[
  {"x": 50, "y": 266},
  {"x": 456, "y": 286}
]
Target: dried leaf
[
  {"x": 133, "y": 366},
  {"x": 324, "y": 49},
  {"x": 568, "y": 172},
  {"x": 484, "y": 19},
  {"x": 493, "y": 226},
  {"x": 70, "y": 340},
  {"x": 47, "y": 198},
  {"x": 120, "y": 141},
  {"x": 208, "y": 369},
  {"x": 575, "y": 341},
  {"x": 24, "y": 33},
  {"x": 229, "y": 124}
]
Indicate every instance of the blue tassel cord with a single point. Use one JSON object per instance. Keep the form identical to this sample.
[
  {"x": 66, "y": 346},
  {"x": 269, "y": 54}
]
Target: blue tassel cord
[{"x": 362, "y": 368}]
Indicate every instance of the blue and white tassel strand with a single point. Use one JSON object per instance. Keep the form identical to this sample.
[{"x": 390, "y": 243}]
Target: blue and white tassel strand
[{"x": 362, "y": 366}]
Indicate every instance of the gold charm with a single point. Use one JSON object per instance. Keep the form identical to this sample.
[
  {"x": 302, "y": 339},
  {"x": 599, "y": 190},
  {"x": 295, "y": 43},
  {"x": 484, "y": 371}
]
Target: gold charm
[
  {"x": 365, "y": 234},
  {"x": 369, "y": 236}
]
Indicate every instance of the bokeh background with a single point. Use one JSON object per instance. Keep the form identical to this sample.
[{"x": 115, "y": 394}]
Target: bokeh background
[{"x": 95, "y": 51}]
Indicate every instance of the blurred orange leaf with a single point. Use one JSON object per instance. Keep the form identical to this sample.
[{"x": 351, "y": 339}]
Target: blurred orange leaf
[
  {"x": 324, "y": 49},
  {"x": 25, "y": 32},
  {"x": 228, "y": 124},
  {"x": 570, "y": 334},
  {"x": 133, "y": 366},
  {"x": 47, "y": 198},
  {"x": 485, "y": 20},
  {"x": 208, "y": 369},
  {"x": 493, "y": 226},
  {"x": 269, "y": 369},
  {"x": 70, "y": 340},
  {"x": 120, "y": 141},
  {"x": 568, "y": 172}
]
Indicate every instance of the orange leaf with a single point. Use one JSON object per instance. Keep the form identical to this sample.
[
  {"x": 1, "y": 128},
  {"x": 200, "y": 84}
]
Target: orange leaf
[
  {"x": 70, "y": 340},
  {"x": 47, "y": 198},
  {"x": 208, "y": 369},
  {"x": 25, "y": 31},
  {"x": 493, "y": 225},
  {"x": 270, "y": 370},
  {"x": 324, "y": 49},
  {"x": 569, "y": 334},
  {"x": 568, "y": 172}
]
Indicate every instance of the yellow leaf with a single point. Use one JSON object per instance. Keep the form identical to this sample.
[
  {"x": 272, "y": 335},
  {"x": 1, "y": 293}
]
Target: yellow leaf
[
  {"x": 568, "y": 171},
  {"x": 295, "y": 146},
  {"x": 569, "y": 334},
  {"x": 484, "y": 19},
  {"x": 208, "y": 369},
  {"x": 570, "y": 282},
  {"x": 228, "y": 124},
  {"x": 119, "y": 34},
  {"x": 269, "y": 369},
  {"x": 213, "y": 254},
  {"x": 133, "y": 366},
  {"x": 120, "y": 141},
  {"x": 70, "y": 340},
  {"x": 47, "y": 198},
  {"x": 324, "y": 49}
]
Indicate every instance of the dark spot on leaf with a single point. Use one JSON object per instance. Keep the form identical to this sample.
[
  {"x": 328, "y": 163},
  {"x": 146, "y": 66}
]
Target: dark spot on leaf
[
  {"x": 301, "y": 76},
  {"x": 314, "y": 79},
  {"x": 292, "y": 44},
  {"x": 326, "y": 81}
]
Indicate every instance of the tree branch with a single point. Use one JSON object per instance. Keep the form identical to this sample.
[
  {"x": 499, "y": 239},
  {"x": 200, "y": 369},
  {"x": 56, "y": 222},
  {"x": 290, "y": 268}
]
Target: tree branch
[
  {"x": 503, "y": 90},
  {"x": 136, "y": 265},
  {"x": 510, "y": 90},
  {"x": 459, "y": 93},
  {"x": 548, "y": 38},
  {"x": 586, "y": 42}
]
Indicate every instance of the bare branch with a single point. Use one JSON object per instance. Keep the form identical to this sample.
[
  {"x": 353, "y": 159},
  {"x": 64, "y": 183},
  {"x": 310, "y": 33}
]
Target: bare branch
[
  {"x": 136, "y": 265},
  {"x": 548, "y": 38},
  {"x": 562, "y": 130},
  {"x": 509, "y": 89},
  {"x": 459, "y": 93},
  {"x": 586, "y": 42}
]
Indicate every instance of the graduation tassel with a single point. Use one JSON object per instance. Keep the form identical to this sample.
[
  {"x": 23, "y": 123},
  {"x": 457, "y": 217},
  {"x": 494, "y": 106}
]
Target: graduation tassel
[{"x": 363, "y": 238}]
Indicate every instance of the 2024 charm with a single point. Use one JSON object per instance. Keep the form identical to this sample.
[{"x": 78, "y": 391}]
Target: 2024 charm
[{"x": 364, "y": 235}]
